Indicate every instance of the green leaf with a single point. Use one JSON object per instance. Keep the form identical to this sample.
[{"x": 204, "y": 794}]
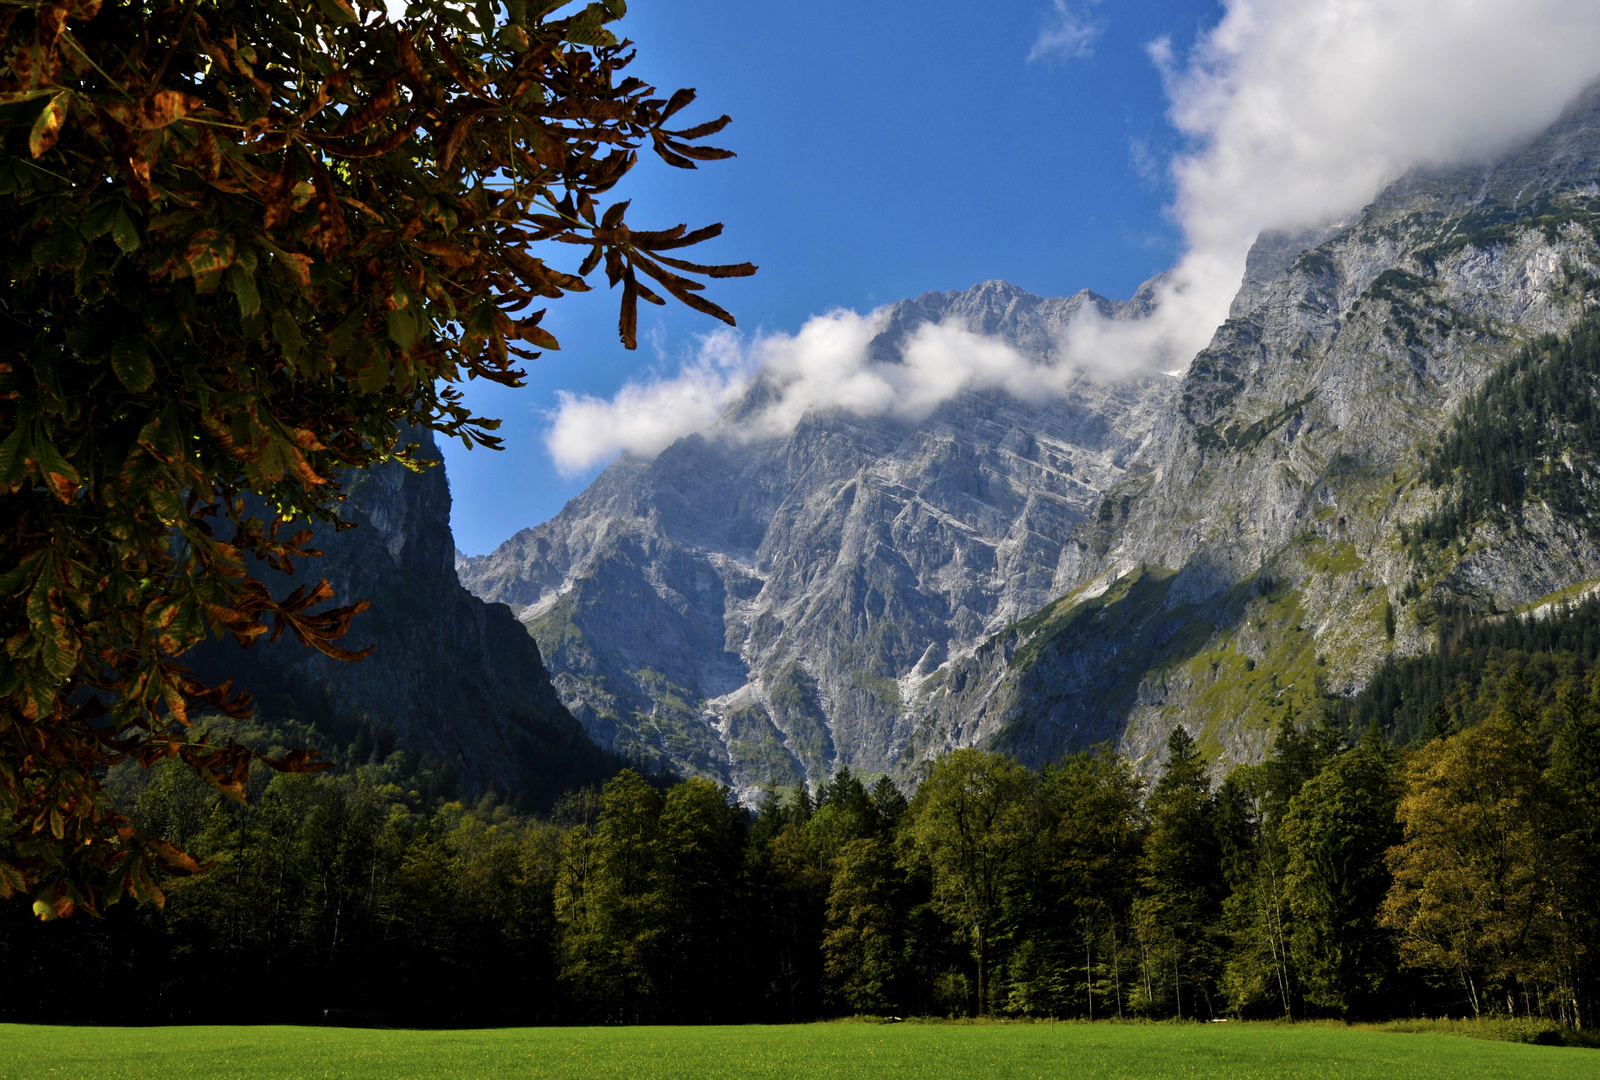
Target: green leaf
[
  {"x": 123, "y": 231},
  {"x": 12, "y": 580},
  {"x": 84, "y": 339},
  {"x": 13, "y": 459},
  {"x": 373, "y": 375},
  {"x": 131, "y": 361},
  {"x": 165, "y": 502},
  {"x": 403, "y": 326},
  {"x": 208, "y": 255},
  {"x": 58, "y": 474},
  {"x": 83, "y": 282},
  {"x": 61, "y": 246},
  {"x": 14, "y": 97},
  {"x": 184, "y": 629},
  {"x": 338, "y": 11},
  {"x": 480, "y": 324},
  {"x": 243, "y": 284},
  {"x": 98, "y": 221},
  {"x": 342, "y": 341}
]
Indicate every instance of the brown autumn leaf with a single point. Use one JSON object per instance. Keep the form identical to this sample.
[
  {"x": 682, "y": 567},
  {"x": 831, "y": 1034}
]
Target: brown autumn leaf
[{"x": 153, "y": 111}]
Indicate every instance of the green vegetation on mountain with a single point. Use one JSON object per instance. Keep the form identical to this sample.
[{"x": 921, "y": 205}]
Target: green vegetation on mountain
[
  {"x": 1458, "y": 684},
  {"x": 1530, "y": 434}
]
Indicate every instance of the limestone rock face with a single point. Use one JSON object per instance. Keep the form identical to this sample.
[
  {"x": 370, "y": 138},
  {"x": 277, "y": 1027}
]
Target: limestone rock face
[
  {"x": 760, "y": 612},
  {"x": 1250, "y": 560},
  {"x": 452, "y": 676}
]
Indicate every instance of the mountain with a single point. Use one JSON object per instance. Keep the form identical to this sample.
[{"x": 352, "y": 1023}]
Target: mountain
[
  {"x": 1225, "y": 550},
  {"x": 1255, "y": 558},
  {"x": 760, "y": 612},
  {"x": 450, "y": 676}
]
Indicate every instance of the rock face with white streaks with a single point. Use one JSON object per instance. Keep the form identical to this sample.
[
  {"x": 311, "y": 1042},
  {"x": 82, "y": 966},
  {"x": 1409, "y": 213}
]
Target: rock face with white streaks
[{"x": 762, "y": 611}]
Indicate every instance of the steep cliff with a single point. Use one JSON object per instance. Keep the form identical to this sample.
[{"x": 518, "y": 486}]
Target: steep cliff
[
  {"x": 761, "y": 612},
  {"x": 1253, "y": 559},
  {"x": 452, "y": 676}
]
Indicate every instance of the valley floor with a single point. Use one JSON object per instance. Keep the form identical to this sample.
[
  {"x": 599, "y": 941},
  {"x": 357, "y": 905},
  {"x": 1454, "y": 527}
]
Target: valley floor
[{"x": 840, "y": 1050}]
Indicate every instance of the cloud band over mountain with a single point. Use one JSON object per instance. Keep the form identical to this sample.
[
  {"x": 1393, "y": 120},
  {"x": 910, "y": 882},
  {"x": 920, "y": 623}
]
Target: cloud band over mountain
[{"x": 1296, "y": 114}]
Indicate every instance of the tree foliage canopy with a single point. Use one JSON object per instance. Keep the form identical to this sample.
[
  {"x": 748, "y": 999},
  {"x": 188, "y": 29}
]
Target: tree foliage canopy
[{"x": 247, "y": 243}]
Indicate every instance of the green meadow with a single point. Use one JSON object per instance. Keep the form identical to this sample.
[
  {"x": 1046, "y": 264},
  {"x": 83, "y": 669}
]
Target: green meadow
[{"x": 800, "y": 1052}]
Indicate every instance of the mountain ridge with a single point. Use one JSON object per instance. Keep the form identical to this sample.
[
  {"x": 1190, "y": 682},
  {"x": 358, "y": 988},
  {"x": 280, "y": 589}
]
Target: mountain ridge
[
  {"x": 1221, "y": 551},
  {"x": 719, "y": 551},
  {"x": 451, "y": 676}
]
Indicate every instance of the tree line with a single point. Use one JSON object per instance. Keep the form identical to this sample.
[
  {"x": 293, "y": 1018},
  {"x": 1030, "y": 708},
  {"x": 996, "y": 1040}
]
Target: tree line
[
  {"x": 1531, "y": 432},
  {"x": 1458, "y": 684},
  {"x": 1455, "y": 876}
]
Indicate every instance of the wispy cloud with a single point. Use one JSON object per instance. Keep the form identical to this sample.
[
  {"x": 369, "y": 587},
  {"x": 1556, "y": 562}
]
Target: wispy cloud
[
  {"x": 645, "y": 417},
  {"x": 1146, "y": 165},
  {"x": 826, "y": 367},
  {"x": 1069, "y": 33}
]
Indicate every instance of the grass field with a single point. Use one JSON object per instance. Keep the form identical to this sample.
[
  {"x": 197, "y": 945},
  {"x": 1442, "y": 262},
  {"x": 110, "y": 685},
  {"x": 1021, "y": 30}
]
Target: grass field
[{"x": 867, "y": 1051}]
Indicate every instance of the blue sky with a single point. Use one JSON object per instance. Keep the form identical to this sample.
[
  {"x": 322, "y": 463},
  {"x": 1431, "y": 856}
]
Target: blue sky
[{"x": 886, "y": 147}]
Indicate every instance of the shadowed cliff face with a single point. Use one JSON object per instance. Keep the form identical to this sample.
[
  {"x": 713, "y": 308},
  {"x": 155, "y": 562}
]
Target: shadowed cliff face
[
  {"x": 760, "y": 612},
  {"x": 453, "y": 676}
]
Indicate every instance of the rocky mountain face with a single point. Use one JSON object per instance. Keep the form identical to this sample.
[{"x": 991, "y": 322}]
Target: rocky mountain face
[
  {"x": 1223, "y": 551},
  {"x": 1252, "y": 559},
  {"x": 762, "y": 612},
  {"x": 449, "y": 676}
]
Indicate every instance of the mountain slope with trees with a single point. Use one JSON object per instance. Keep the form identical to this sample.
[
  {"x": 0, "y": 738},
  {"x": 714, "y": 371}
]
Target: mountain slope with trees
[{"x": 1310, "y": 498}]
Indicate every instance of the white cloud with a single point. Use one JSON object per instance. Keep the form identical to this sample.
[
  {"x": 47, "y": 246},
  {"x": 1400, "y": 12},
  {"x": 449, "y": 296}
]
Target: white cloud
[
  {"x": 826, "y": 366},
  {"x": 1069, "y": 34},
  {"x": 1301, "y": 112},
  {"x": 647, "y": 417}
]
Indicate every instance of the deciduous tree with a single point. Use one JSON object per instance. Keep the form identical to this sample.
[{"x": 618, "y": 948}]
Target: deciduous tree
[
  {"x": 1482, "y": 881},
  {"x": 970, "y": 823},
  {"x": 246, "y": 243}
]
